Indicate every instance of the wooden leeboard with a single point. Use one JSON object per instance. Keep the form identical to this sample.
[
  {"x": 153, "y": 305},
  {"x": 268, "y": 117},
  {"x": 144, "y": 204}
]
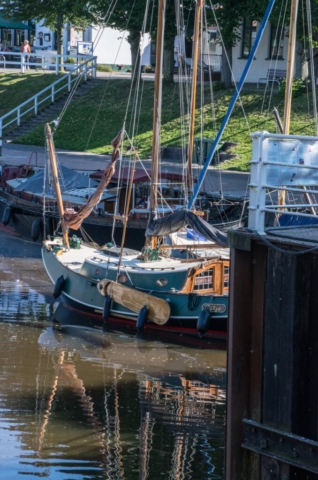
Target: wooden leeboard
[{"x": 133, "y": 299}]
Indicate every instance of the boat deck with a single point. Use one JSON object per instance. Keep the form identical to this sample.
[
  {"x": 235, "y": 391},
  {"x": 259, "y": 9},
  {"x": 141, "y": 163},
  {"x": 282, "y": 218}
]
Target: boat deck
[{"x": 75, "y": 258}]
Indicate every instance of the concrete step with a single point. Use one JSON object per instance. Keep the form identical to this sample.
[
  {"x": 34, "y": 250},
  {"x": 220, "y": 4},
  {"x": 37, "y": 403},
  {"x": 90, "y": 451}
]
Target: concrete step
[{"x": 50, "y": 112}]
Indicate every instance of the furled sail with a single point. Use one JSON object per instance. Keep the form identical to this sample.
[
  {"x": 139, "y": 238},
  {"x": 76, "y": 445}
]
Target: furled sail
[
  {"x": 74, "y": 220},
  {"x": 180, "y": 219}
]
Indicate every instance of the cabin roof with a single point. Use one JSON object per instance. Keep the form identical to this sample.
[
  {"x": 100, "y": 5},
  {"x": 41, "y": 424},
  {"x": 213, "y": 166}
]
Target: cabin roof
[{"x": 140, "y": 176}]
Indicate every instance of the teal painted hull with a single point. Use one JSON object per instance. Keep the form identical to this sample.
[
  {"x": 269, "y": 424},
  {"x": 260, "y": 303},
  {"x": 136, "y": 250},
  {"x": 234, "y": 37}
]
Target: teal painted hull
[{"x": 81, "y": 292}]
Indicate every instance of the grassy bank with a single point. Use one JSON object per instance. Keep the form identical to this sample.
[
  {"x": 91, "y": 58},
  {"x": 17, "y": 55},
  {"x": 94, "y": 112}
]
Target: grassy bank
[
  {"x": 16, "y": 88},
  {"x": 93, "y": 120}
]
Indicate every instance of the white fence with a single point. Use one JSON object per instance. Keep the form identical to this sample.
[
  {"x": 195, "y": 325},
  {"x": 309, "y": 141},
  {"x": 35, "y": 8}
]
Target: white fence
[
  {"x": 286, "y": 163},
  {"x": 86, "y": 68},
  {"x": 42, "y": 60}
]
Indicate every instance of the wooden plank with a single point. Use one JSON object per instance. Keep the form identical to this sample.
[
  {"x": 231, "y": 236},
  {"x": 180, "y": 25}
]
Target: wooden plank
[
  {"x": 239, "y": 357},
  {"x": 278, "y": 348},
  {"x": 259, "y": 262},
  {"x": 134, "y": 300}
]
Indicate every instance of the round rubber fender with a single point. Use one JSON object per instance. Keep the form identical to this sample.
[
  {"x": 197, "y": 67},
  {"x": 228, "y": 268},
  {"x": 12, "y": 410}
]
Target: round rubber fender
[
  {"x": 6, "y": 216},
  {"x": 58, "y": 287},
  {"x": 106, "y": 310},
  {"x": 142, "y": 318},
  {"x": 203, "y": 321},
  {"x": 35, "y": 230}
]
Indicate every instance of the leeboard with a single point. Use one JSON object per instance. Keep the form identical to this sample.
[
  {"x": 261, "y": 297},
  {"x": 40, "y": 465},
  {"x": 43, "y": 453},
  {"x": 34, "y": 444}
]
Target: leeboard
[{"x": 134, "y": 300}]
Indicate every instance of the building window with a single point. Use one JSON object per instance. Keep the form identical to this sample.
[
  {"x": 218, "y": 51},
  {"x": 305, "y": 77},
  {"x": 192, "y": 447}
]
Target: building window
[
  {"x": 18, "y": 37},
  {"x": 7, "y": 37},
  {"x": 152, "y": 54},
  {"x": 276, "y": 43},
  {"x": 248, "y": 37}
]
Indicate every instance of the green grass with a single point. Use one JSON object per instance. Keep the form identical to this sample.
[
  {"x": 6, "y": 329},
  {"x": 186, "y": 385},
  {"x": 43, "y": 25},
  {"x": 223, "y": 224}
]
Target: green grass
[
  {"x": 94, "y": 119},
  {"x": 16, "y": 88}
]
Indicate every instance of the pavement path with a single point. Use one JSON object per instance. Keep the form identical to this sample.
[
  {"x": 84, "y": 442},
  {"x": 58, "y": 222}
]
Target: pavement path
[{"x": 233, "y": 184}]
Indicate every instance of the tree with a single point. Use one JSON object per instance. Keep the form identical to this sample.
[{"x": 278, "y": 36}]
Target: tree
[
  {"x": 127, "y": 16},
  {"x": 130, "y": 16},
  {"x": 54, "y": 13}
]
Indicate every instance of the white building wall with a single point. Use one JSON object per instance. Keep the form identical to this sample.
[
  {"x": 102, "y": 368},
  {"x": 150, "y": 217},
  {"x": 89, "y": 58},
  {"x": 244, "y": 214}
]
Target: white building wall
[
  {"x": 111, "y": 47},
  {"x": 44, "y": 38},
  {"x": 261, "y": 63}
]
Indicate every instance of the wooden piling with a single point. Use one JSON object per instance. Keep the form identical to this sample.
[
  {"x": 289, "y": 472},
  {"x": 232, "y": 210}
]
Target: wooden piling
[{"x": 272, "y": 407}]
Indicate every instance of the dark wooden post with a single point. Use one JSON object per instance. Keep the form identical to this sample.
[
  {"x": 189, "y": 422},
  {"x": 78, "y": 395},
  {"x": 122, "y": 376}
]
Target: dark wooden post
[{"x": 272, "y": 412}]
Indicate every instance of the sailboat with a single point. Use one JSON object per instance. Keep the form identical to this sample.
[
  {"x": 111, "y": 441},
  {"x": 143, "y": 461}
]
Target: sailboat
[{"x": 151, "y": 289}]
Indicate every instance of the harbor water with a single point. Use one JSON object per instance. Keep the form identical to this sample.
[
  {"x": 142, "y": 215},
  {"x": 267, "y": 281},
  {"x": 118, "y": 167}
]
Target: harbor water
[{"x": 86, "y": 404}]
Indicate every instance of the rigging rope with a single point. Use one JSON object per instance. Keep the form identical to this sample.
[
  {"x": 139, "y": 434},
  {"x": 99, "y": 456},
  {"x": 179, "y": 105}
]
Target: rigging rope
[{"x": 312, "y": 72}]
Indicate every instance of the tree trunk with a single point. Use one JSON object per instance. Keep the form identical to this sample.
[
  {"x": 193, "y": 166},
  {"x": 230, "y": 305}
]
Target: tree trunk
[
  {"x": 134, "y": 42},
  {"x": 59, "y": 33},
  {"x": 168, "y": 63},
  {"x": 226, "y": 76}
]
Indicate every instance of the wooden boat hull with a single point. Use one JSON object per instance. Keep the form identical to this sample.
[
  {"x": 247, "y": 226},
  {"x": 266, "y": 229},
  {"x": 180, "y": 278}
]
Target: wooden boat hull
[
  {"x": 81, "y": 293},
  {"x": 23, "y": 216},
  {"x": 100, "y": 229}
]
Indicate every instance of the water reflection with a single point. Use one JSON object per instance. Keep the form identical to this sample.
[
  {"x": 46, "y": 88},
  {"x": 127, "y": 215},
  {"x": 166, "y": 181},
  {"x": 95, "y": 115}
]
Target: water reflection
[{"x": 87, "y": 404}]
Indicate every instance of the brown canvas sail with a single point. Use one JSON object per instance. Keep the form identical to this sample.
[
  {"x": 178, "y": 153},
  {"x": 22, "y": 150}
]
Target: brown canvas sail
[{"x": 74, "y": 220}]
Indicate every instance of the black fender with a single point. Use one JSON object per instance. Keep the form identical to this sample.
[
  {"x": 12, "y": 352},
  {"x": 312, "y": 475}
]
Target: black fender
[
  {"x": 203, "y": 322},
  {"x": 142, "y": 318},
  {"x": 106, "y": 310},
  {"x": 6, "y": 216},
  {"x": 35, "y": 230},
  {"x": 58, "y": 287}
]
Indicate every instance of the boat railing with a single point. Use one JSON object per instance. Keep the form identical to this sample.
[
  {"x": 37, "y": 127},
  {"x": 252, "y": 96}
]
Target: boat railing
[
  {"x": 282, "y": 163},
  {"x": 85, "y": 67}
]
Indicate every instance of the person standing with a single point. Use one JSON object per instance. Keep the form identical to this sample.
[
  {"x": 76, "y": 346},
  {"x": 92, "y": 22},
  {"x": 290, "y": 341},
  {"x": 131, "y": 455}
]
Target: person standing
[{"x": 25, "y": 48}]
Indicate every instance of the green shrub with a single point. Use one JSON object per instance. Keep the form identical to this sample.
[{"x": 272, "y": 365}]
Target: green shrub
[
  {"x": 299, "y": 87},
  {"x": 104, "y": 68},
  {"x": 147, "y": 69},
  {"x": 69, "y": 60}
]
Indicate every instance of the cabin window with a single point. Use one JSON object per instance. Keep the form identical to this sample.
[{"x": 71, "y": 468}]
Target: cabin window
[
  {"x": 204, "y": 280},
  {"x": 226, "y": 276},
  {"x": 276, "y": 43},
  {"x": 248, "y": 36},
  {"x": 162, "y": 282},
  {"x": 122, "y": 278}
]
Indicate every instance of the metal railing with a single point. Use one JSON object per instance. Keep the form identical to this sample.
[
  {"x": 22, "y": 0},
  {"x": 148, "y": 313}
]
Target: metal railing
[
  {"x": 286, "y": 163},
  {"x": 86, "y": 67}
]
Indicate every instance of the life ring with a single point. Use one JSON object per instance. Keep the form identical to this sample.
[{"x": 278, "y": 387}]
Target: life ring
[
  {"x": 203, "y": 322},
  {"x": 6, "y": 216},
  {"x": 35, "y": 230},
  {"x": 142, "y": 318},
  {"x": 58, "y": 287}
]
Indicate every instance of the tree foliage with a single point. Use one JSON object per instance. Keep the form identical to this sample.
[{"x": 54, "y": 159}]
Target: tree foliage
[{"x": 53, "y": 13}]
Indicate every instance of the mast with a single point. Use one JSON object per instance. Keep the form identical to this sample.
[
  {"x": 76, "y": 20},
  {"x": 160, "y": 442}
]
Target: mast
[
  {"x": 157, "y": 108},
  {"x": 289, "y": 78},
  {"x": 290, "y": 65},
  {"x": 195, "y": 57},
  {"x": 127, "y": 210},
  {"x": 60, "y": 206}
]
